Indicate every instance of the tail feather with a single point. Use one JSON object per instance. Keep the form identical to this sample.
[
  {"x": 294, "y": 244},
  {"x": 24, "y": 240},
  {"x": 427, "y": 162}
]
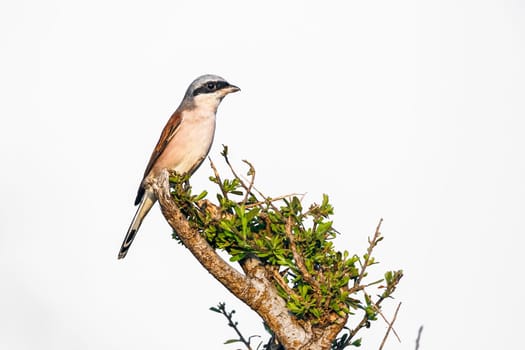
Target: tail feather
[{"x": 148, "y": 199}]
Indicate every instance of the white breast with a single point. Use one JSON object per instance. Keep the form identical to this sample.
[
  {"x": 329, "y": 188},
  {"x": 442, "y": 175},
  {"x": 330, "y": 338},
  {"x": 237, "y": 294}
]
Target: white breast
[{"x": 189, "y": 146}]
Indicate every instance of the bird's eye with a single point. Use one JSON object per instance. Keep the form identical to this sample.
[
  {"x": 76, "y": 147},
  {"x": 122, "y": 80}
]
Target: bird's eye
[{"x": 210, "y": 86}]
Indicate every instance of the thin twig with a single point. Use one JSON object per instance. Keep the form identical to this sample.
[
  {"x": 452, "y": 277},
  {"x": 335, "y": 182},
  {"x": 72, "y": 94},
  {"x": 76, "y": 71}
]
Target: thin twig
[
  {"x": 218, "y": 178},
  {"x": 225, "y": 155},
  {"x": 299, "y": 259},
  {"x": 419, "y": 336},
  {"x": 371, "y": 245},
  {"x": 364, "y": 321},
  {"x": 378, "y": 310},
  {"x": 281, "y": 282},
  {"x": 267, "y": 199},
  {"x": 252, "y": 180},
  {"x": 390, "y": 326},
  {"x": 357, "y": 285},
  {"x": 229, "y": 317},
  {"x": 353, "y": 332}
]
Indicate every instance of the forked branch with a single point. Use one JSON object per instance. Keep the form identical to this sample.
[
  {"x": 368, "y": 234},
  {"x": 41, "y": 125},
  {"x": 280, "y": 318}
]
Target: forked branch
[{"x": 255, "y": 288}]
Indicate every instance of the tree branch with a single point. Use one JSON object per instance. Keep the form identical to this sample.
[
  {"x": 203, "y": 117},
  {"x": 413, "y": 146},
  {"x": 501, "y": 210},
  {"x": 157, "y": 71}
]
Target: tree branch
[
  {"x": 256, "y": 288},
  {"x": 418, "y": 339},
  {"x": 260, "y": 285},
  {"x": 390, "y": 324},
  {"x": 205, "y": 254}
]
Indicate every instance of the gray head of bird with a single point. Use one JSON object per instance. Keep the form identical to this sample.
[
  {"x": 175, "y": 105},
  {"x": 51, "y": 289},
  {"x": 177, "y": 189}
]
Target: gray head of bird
[{"x": 207, "y": 91}]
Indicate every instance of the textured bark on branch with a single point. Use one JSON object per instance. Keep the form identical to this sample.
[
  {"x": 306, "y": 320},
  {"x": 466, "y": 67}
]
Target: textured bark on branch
[{"x": 255, "y": 287}]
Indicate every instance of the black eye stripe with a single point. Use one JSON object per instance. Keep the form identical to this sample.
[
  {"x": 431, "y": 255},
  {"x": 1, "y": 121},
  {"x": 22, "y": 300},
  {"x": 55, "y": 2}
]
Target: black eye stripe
[
  {"x": 221, "y": 84},
  {"x": 209, "y": 87}
]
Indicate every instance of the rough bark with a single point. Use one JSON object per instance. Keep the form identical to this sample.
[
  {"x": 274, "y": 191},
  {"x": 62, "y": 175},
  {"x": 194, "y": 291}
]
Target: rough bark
[{"x": 255, "y": 287}]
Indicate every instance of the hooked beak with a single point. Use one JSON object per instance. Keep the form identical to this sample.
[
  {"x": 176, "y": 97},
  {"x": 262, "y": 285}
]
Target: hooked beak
[{"x": 231, "y": 88}]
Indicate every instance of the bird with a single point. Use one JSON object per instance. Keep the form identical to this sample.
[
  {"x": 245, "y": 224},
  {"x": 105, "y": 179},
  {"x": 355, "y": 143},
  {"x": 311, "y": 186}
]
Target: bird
[{"x": 184, "y": 142}]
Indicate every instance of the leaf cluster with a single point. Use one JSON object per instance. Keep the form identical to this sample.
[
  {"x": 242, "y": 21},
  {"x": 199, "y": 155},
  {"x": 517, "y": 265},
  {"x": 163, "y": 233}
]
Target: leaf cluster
[{"x": 294, "y": 242}]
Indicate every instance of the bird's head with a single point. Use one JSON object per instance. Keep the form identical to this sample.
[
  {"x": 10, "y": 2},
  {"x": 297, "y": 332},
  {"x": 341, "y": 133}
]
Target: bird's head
[{"x": 207, "y": 91}]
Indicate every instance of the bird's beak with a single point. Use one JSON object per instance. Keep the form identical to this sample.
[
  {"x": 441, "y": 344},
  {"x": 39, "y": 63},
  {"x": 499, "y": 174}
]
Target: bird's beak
[{"x": 231, "y": 88}]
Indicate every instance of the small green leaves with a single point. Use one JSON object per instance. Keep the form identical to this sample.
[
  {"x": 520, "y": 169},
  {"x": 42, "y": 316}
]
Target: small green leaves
[
  {"x": 231, "y": 186},
  {"x": 392, "y": 278},
  {"x": 296, "y": 245}
]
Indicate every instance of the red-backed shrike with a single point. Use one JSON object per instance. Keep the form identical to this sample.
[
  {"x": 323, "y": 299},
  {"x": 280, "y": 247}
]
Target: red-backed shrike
[{"x": 184, "y": 143}]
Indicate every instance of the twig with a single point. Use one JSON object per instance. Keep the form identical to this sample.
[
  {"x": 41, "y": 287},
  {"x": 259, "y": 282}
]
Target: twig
[
  {"x": 279, "y": 279},
  {"x": 419, "y": 336},
  {"x": 364, "y": 322},
  {"x": 218, "y": 178},
  {"x": 357, "y": 285},
  {"x": 353, "y": 332},
  {"x": 388, "y": 323},
  {"x": 390, "y": 326},
  {"x": 371, "y": 245},
  {"x": 266, "y": 199},
  {"x": 229, "y": 317},
  {"x": 252, "y": 180},
  {"x": 225, "y": 155},
  {"x": 299, "y": 259}
]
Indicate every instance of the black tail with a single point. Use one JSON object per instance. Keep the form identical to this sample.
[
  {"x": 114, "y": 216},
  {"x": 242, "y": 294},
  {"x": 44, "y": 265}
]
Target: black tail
[
  {"x": 148, "y": 199},
  {"x": 127, "y": 243}
]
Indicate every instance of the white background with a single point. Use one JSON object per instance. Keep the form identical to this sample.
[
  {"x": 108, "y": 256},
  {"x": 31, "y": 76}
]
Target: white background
[{"x": 407, "y": 110}]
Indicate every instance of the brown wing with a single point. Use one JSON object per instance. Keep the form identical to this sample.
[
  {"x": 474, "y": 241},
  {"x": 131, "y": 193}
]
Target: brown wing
[{"x": 167, "y": 134}]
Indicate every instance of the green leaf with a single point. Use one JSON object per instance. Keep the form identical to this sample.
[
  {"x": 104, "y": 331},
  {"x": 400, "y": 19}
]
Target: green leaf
[
  {"x": 388, "y": 276},
  {"x": 214, "y": 309},
  {"x": 294, "y": 308},
  {"x": 303, "y": 289},
  {"x": 225, "y": 225},
  {"x": 357, "y": 342},
  {"x": 237, "y": 257},
  {"x": 323, "y": 227},
  {"x": 224, "y": 152},
  {"x": 316, "y": 312},
  {"x": 325, "y": 200},
  {"x": 201, "y": 195},
  {"x": 252, "y": 213},
  {"x": 296, "y": 205},
  {"x": 230, "y": 341}
]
